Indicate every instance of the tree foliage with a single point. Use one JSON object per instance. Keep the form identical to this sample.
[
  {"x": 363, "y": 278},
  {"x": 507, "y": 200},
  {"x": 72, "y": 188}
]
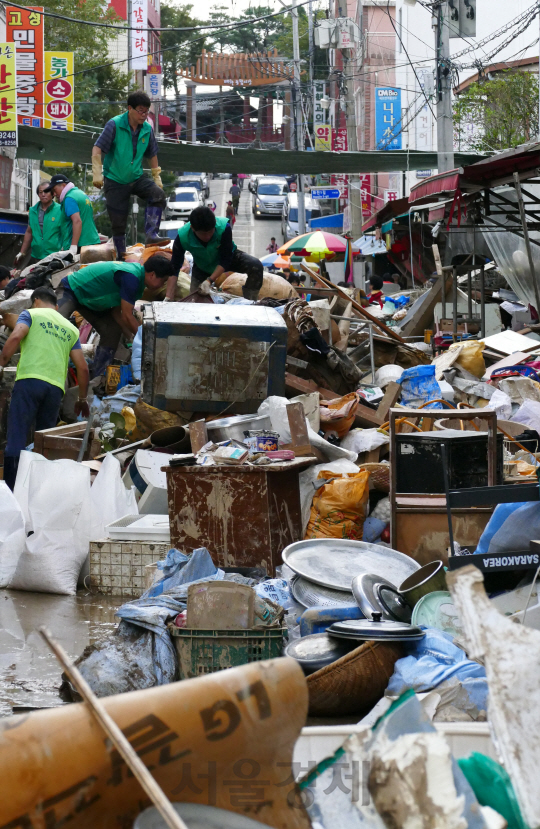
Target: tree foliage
[
  {"x": 497, "y": 113},
  {"x": 180, "y": 49}
]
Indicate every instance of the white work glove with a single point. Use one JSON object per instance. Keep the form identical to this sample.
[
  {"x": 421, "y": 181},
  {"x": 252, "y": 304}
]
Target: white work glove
[
  {"x": 156, "y": 175},
  {"x": 19, "y": 258},
  {"x": 97, "y": 172},
  {"x": 204, "y": 287},
  {"x": 73, "y": 249},
  {"x": 167, "y": 299}
]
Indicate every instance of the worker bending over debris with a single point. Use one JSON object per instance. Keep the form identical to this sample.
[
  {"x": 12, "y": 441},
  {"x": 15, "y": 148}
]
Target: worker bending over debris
[
  {"x": 125, "y": 141},
  {"x": 77, "y": 214},
  {"x": 43, "y": 235},
  {"x": 46, "y": 341},
  {"x": 105, "y": 294},
  {"x": 209, "y": 240}
]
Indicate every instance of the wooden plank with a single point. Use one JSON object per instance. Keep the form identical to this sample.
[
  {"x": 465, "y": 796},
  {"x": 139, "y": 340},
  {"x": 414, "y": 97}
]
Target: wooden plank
[
  {"x": 198, "y": 434},
  {"x": 391, "y": 397},
  {"x": 297, "y": 385},
  {"x": 297, "y": 425},
  {"x": 423, "y": 315},
  {"x": 355, "y": 305}
]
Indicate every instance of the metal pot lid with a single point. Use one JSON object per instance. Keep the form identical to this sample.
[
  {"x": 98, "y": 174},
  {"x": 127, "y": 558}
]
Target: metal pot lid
[
  {"x": 198, "y": 816},
  {"x": 237, "y": 420},
  {"x": 334, "y": 562},
  {"x": 315, "y": 595},
  {"x": 318, "y": 650},
  {"x": 381, "y": 630},
  {"x": 374, "y": 594}
]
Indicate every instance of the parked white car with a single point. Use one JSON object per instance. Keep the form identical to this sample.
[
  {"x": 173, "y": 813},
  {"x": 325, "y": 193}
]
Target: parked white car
[{"x": 183, "y": 201}]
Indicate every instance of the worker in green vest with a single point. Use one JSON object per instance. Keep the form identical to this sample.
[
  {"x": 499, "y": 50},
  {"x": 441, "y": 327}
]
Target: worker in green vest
[
  {"x": 209, "y": 240},
  {"x": 77, "y": 214},
  {"x": 105, "y": 294},
  {"x": 43, "y": 235},
  {"x": 125, "y": 142},
  {"x": 47, "y": 341}
]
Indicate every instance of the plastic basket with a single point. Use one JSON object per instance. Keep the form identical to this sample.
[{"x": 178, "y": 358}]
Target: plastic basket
[{"x": 207, "y": 651}]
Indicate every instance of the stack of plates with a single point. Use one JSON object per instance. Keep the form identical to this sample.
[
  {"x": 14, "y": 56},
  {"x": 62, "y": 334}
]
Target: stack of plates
[{"x": 326, "y": 567}]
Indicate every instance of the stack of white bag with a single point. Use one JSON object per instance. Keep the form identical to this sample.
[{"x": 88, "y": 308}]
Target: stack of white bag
[{"x": 54, "y": 502}]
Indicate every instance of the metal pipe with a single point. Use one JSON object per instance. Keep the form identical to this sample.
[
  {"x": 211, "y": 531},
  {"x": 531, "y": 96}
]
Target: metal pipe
[{"x": 371, "y": 354}]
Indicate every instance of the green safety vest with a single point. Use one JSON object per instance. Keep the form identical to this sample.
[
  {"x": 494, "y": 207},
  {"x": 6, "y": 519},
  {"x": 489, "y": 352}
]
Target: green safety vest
[
  {"x": 89, "y": 234},
  {"x": 95, "y": 288},
  {"x": 50, "y": 239},
  {"x": 45, "y": 349},
  {"x": 119, "y": 164},
  {"x": 204, "y": 256}
]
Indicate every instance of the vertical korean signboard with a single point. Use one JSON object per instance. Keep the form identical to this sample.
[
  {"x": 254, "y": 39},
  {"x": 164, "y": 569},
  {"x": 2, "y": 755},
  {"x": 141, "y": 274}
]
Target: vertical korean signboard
[
  {"x": 59, "y": 91},
  {"x": 139, "y": 34},
  {"x": 24, "y": 28},
  {"x": 8, "y": 97},
  {"x": 321, "y": 130},
  {"x": 387, "y": 118},
  {"x": 365, "y": 193}
]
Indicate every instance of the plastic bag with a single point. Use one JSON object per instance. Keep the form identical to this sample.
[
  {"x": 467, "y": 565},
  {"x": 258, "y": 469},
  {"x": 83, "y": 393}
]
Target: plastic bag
[
  {"x": 528, "y": 414},
  {"x": 471, "y": 357},
  {"x": 136, "y": 354},
  {"x": 12, "y": 534},
  {"x": 492, "y": 787},
  {"x": 340, "y": 507},
  {"x": 419, "y": 386},
  {"x": 109, "y": 498},
  {"x": 59, "y": 509},
  {"x": 307, "y": 484},
  {"x": 337, "y": 416},
  {"x": 275, "y": 408},
  {"x": 501, "y": 403},
  {"x": 364, "y": 440}
]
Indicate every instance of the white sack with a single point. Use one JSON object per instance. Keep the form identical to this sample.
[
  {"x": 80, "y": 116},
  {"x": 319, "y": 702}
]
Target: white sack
[
  {"x": 60, "y": 513},
  {"x": 20, "y": 491},
  {"x": 501, "y": 403},
  {"x": 275, "y": 408},
  {"x": 109, "y": 498},
  {"x": 12, "y": 534}
]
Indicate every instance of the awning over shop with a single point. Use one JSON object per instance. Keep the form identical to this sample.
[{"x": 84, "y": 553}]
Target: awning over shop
[
  {"x": 369, "y": 246},
  {"x": 77, "y": 147},
  {"x": 441, "y": 183}
]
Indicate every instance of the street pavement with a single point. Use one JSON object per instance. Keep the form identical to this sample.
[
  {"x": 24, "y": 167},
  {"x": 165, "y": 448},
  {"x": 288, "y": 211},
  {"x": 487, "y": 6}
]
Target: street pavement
[{"x": 250, "y": 234}]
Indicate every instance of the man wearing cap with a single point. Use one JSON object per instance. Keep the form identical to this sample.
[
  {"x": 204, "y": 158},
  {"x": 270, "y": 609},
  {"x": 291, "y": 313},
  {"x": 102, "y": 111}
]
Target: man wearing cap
[
  {"x": 209, "y": 239},
  {"x": 105, "y": 294},
  {"x": 125, "y": 142},
  {"x": 43, "y": 235},
  {"x": 47, "y": 341},
  {"x": 77, "y": 214}
]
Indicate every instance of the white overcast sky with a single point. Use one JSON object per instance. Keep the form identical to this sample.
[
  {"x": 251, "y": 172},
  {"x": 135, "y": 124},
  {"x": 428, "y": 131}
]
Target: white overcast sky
[{"x": 490, "y": 14}]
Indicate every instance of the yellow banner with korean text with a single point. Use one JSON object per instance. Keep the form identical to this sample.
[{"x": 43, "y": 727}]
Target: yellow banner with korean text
[
  {"x": 59, "y": 91},
  {"x": 8, "y": 96}
]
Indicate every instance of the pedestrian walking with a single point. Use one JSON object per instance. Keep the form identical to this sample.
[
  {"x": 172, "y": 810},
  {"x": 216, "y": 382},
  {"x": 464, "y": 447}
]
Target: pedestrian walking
[
  {"x": 230, "y": 214},
  {"x": 273, "y": 246},
  {"x": 235, "y": 193}
]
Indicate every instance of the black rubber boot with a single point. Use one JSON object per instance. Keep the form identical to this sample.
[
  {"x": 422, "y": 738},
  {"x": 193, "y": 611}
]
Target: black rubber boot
[{"x": 152, "y": 221}]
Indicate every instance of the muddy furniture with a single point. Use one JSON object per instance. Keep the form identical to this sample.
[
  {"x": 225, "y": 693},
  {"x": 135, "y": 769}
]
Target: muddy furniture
[
  {"x": 418, "y": 523},
  {"x": 244, "y": 515}
]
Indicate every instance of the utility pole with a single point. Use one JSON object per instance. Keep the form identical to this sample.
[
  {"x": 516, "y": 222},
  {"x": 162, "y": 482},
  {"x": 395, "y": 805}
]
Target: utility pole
[
  {"x": 299, "y": 119},
  {"x": 355, "y": 196},
  {"x": 311, "y": 42},
  {"x": 445, "y": 123},
  {"x": 129, "y": 16}
]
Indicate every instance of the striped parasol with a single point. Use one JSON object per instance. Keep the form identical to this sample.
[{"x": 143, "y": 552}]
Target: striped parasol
[{"x": 315, "y": 245}]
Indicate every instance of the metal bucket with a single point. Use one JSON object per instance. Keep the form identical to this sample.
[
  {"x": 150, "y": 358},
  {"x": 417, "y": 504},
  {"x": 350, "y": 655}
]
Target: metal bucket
[
  {"x": 171, "y": 440},
  {"x": 426, "y": 580}
]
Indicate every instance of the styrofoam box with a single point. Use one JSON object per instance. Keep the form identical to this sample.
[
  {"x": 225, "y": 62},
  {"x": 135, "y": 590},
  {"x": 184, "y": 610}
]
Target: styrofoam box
[
  {"x": 117, "y": 568},
  {"x": 316, "y": 743},
  {"x": 140, "y": 528}
]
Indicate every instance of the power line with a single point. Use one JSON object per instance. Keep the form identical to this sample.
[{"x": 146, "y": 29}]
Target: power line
[
  {"x": 408, "y": 58},
  {"x": 220, "y": 27},
  {"x": 489, "y": 38}
]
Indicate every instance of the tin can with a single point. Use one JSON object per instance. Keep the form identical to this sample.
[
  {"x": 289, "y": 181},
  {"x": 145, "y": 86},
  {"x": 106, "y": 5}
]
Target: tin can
[{"x": 262, "y": 440}]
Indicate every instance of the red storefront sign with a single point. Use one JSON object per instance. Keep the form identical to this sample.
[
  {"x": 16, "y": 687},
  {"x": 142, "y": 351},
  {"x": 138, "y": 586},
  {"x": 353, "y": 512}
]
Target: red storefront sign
[{"x": 24, "y": 28}]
